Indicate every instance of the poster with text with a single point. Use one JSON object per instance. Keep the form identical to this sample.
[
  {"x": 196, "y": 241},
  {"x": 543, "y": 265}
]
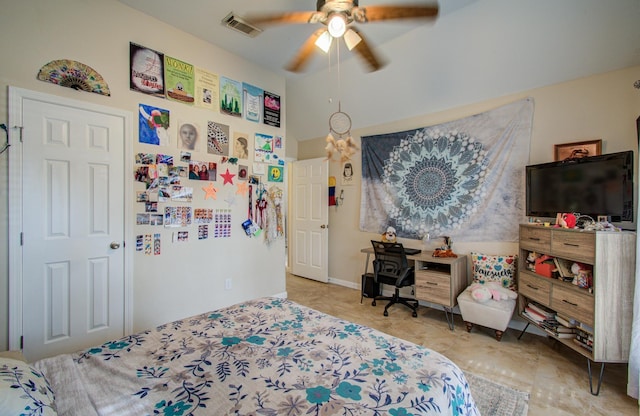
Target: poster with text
[
  {"x": 180, "y": 79},
  {"x": 271, "y": 109},
  {"x": 146, "y": 70},
  {"x": 252, "y": 99},
  {"x": 206, "y": 90},
  {"x": 230, "y": 97}
]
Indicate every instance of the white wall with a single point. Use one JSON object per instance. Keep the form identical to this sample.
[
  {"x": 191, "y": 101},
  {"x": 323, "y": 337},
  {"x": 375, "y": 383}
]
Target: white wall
[
  {"x": 187, "y": 278},
  {"x": 604, "y": 106}
]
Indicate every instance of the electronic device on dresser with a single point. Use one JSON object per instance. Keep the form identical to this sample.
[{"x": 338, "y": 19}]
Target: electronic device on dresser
[{"x": 594, "y": 186}]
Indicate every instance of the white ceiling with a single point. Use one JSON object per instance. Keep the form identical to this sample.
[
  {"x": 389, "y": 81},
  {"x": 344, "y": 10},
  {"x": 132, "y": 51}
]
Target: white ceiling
[
  {"x": 474, "y": 51},
  {"x": 274, "y": 47}
]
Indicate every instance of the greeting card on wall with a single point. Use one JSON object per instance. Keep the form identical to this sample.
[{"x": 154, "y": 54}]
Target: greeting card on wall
[
  {"x": 206, "y": 89},
  {"x": 217, "y": 138},
  {"x": 253, "y": 102},
  {"x": 230, "y": 97},
  {"x": 271, "y": 109},
  {"x": 180, "y": 79},
  {"x": 153, "y": 125},
  {"x": 147, "y": 70}
]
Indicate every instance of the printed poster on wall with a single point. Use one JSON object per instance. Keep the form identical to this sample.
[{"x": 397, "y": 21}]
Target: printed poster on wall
[
  {"x": 179, "y": 77},
  {"x": 147, "y": 70},
  {"x": 206, "y": 90},
  {"x": 271, "y": 109},
  {"x": 252, "y": 99},
  {"x": 230, "y": 97}
]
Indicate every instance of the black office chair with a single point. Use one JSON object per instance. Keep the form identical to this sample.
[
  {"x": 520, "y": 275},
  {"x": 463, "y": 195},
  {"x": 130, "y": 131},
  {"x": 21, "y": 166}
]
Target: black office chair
[{"x": 391, "y": 267}]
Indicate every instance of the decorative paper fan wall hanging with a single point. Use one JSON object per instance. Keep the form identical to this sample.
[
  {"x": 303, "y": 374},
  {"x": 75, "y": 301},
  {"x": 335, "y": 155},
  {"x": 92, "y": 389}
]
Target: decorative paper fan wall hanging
[{"x": 74, "y": 74}]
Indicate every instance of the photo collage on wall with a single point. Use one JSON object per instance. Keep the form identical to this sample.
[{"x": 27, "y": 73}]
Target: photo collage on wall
[{"x": 226, "y": 163}]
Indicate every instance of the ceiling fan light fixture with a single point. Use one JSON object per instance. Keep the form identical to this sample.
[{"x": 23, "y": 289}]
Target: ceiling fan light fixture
[
  {"x": 351, "y": 38},
  {"x": 337, "y": 25},
  {"x": 324, "y": 42}
]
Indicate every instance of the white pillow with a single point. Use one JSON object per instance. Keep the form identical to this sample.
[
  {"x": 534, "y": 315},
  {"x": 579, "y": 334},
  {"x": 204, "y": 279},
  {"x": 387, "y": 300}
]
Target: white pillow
[{"x": 24, "y": 390}]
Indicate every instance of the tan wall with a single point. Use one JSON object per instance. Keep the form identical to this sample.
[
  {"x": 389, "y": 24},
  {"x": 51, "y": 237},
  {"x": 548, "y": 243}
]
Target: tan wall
[{"x": 600, "y": 107}]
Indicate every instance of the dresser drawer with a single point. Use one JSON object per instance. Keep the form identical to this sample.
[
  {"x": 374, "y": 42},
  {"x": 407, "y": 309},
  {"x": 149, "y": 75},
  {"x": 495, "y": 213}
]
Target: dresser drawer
[
  {"x": 434, "y": 287},
  {"x": 535, "y": 288},
  {"x": 535, "y": 239},
  {"x": 573, "y": 304},
  {"x": 574, "y": 245}
]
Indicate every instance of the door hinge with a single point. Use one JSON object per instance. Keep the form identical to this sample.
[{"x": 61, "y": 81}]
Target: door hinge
[
  {"x": 21, "y": 342},
  {"x": 21, "y": 239}
]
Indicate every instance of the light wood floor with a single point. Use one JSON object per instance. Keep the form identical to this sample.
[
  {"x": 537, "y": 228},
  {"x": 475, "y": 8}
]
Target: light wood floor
[{"x": 555, "y": 376}]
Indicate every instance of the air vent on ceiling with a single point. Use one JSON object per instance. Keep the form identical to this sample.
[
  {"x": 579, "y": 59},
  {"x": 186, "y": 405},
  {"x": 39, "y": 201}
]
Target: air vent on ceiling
[{"x": 236, "y": 23}]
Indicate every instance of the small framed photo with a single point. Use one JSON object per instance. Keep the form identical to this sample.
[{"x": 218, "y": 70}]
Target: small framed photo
[{"x": 577, "y": 150}]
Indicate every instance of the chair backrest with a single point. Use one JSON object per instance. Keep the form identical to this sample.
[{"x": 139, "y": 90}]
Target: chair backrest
[{"x": 390, "y": 261}]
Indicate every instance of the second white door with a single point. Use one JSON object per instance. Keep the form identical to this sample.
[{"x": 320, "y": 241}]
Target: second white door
[{"x": 310, "y": 219}]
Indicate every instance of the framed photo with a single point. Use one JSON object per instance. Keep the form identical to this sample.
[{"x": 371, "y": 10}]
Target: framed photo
[{"x": 577, "y": 150}]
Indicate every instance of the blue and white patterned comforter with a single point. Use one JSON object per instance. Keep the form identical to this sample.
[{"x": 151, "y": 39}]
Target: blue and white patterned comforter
[{"x": 268, "y": 356}]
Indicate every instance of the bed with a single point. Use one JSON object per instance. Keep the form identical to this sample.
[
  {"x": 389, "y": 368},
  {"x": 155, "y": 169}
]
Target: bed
[{"x": 268, "y": 356}]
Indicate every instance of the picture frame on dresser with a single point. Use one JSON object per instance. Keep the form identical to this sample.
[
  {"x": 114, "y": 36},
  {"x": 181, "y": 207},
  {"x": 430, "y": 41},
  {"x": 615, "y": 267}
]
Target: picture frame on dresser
[{"x": 577, "y": 150}]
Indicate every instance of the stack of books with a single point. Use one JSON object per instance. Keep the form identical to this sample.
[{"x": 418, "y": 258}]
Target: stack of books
[
  {"x": 584, "y": 337},
  {"x": 538, "y": 313},
  {"x": 565, "y": 328}
]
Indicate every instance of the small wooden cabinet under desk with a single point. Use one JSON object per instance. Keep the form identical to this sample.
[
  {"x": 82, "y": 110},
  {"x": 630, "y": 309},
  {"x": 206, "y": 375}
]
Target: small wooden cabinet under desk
[{"x": 439, "y": 280}]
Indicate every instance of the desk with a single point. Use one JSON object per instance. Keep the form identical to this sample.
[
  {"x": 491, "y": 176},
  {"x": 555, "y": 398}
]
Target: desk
[{"x": 438, "y": 280}]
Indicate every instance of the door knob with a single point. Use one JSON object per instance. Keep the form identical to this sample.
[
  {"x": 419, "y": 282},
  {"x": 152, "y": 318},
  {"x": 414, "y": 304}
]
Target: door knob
[
  {"x": 324, "y": 226},
  {"x": 114, "y": 245}
]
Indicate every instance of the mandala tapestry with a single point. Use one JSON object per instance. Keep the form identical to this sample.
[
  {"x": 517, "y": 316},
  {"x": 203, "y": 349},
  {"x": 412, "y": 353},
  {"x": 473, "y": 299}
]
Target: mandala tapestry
[{"x": 463, "y": 178}]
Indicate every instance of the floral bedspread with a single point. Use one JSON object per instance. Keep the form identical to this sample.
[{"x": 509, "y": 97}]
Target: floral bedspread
[{"x": 267, "y": 356}]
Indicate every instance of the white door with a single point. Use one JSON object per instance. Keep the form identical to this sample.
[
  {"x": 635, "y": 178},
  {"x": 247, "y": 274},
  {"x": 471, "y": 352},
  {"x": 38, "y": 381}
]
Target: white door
[
  {"x": 310, "y": 219},
  {"x": 72, "y": 224}
]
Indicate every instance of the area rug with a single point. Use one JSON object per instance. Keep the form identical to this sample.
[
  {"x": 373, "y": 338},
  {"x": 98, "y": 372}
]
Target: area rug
[{"x": 495, "y": 399}]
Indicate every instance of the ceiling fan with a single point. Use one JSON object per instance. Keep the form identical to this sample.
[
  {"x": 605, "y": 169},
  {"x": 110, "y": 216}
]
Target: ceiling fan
[{"x": 338, "y": 16}]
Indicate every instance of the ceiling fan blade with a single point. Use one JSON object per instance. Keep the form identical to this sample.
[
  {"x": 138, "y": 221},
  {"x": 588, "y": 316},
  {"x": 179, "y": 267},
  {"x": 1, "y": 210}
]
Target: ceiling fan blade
[
  {"x": 366, "y": 53},
  {"x": 289, "y": 17},
  {"x": 305, "y": 52},
  {"x": 377, "y": 13}
]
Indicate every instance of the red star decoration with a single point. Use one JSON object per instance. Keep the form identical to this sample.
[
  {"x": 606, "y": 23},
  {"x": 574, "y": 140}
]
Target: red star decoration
[
  {"x": 228, "y": 177},
  {"x": 243, "y": 188},
  {"x": 210, "y": 191}
]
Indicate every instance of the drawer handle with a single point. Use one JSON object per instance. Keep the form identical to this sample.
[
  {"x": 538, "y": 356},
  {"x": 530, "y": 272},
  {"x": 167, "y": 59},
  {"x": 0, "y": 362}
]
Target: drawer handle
[
  {"x": 572, "y": 245},
  {"x": 431, "y": 283},
  {"x": 570, "y": 303},
  {"x": 532, "y": 287},
  {"x": 534, "y": 238}
]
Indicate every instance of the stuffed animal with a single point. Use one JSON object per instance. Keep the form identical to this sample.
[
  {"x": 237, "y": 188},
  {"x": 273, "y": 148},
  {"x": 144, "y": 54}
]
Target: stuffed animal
[
  {"x": 565, "y": 220},
  {"x": 390, "y": 235},
  {"x": 491, "y": 290},
  {"x": 531, "y": 260}
]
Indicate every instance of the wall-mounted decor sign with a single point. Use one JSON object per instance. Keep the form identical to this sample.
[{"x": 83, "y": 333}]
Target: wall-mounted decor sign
[{"x": 74, "y": 74}]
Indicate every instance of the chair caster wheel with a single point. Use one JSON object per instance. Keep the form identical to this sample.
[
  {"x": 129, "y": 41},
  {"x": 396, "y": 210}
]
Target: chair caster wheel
[
  {"x": 373, "y": 303},
  {"x": 414, "y": 314},
  {"x": 386, "y": 313}
]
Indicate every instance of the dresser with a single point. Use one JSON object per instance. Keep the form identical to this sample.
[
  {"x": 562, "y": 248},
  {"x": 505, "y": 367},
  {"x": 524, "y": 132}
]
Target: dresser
[{"x": 601, "y": 308}]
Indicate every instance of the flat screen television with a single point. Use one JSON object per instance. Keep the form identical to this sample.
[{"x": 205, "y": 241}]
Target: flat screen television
[{"x": 594, "y": 186}]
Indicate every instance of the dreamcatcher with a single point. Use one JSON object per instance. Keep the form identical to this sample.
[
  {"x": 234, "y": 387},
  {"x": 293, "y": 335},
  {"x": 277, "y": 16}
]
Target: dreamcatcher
[
  {"x": 74, "y": 74},
  {"x": 339, "y": 138}
]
